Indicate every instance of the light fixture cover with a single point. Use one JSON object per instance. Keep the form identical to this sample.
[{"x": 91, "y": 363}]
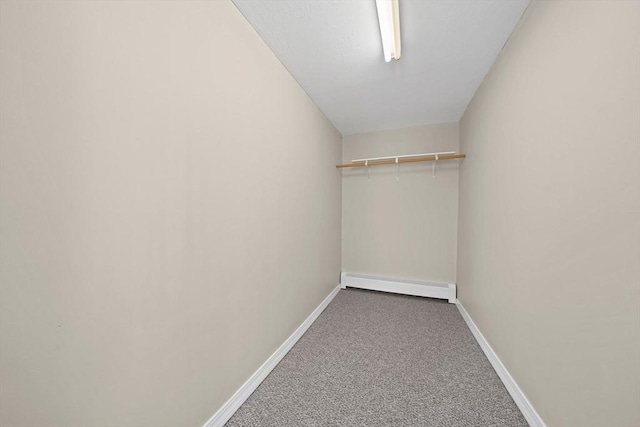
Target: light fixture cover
[{"x": 389, "y": 20}]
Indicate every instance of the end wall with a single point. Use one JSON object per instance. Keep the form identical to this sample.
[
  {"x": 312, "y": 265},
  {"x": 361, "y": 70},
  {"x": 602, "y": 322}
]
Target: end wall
[
  {"x": 407, "y": 227},
  {"x": 160, "y": 235},
  {"x": 549, "y": 245}
]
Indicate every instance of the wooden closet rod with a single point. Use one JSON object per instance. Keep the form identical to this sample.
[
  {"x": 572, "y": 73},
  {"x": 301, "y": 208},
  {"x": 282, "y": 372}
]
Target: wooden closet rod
[{"x": 400, "y": 160}]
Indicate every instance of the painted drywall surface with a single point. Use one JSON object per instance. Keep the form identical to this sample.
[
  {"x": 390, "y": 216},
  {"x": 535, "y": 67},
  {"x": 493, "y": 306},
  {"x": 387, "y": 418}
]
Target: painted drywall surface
[
  {"x": 333, "y": 48},
  {"x": 549, "y": 235},
  {"x": 407, "y": 227},
  {"x": 160, "y": 235}
]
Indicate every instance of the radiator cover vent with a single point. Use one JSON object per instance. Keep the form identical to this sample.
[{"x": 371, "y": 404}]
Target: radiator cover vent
[{"x": 421, "y": 288}]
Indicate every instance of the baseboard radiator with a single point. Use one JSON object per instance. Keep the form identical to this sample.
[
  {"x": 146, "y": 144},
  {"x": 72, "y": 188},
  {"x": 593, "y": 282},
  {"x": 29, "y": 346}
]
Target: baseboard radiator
[{"x": 421, "y": 288}]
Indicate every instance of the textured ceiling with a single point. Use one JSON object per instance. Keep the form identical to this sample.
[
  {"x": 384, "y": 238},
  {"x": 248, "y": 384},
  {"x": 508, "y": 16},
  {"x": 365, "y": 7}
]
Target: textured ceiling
[{"x": 333, "y": 49}]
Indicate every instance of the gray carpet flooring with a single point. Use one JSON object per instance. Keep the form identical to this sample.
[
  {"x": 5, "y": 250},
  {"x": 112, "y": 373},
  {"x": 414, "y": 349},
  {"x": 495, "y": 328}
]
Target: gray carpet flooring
[{"x": 376, "y": 359}]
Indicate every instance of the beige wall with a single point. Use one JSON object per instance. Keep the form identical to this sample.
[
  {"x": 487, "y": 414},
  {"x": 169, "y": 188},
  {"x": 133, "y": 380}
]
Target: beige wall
[
  {"x": 549, "y": 251},
  {"x": 406, "y": 227},
  {"x": 160, "y": 237}
]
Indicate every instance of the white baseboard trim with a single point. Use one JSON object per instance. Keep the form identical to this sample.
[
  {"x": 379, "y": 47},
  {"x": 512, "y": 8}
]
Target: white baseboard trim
[
  {"x": 420, "y": 288},
  {"x": 527, "y": 409},
  {"x": 231, "y": 406}
]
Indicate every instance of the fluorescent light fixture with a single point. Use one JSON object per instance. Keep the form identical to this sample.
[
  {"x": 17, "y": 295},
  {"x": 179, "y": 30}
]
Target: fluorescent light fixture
[{"x": 389, "y": 19}]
